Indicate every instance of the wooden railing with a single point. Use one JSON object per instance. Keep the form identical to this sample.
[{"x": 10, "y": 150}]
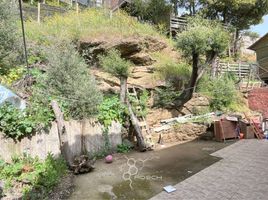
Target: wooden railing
[
  {"x": 178, "y": 24},
  {"x": 241, "y": 70}
]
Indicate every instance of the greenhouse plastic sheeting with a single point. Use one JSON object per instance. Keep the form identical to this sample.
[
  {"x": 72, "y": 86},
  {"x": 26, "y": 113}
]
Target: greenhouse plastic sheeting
[{"x": 7, "y": 95}]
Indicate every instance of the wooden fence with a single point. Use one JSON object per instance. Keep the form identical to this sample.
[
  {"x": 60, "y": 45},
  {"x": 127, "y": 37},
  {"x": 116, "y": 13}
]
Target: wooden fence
[{"x": 240, "y": 70}]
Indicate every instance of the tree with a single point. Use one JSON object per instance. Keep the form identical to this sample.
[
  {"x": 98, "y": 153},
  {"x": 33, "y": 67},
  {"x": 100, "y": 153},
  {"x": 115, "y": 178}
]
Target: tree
[
  {"x": 202, "y": 38},
  {"x": 241, "y": 14},
  {"x": 120, "y": 68},
  {"x": 9, "y": 39},
  {"x": 155, "y": 11},
  {"x": 68, "y": 79}
]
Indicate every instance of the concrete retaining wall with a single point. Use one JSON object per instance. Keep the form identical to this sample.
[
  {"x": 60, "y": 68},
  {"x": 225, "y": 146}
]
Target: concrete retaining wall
[{"x": 81, "y": 135}]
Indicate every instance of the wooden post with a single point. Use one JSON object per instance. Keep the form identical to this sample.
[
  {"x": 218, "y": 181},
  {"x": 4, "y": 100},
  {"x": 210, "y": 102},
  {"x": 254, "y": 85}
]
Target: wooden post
[
  {"x": 63, "y": 140},
  {"x": 239, "y": 69},
  {"x": 38, "y": 12},
  {"x": 77, "y": 7}
]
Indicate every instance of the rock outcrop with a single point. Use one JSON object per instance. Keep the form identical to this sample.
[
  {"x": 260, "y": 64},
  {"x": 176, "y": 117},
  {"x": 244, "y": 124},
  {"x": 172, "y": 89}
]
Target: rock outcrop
[
  {"x": 197, "y": 104},
  {"x": 138, "y": 50},
  {"x": 135, "y": 49},
  {"x": 180, "y": 132}
]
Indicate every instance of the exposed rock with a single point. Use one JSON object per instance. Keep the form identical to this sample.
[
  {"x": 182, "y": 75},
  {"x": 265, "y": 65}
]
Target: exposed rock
[
  {"x": 196, "y": 104},
  {"x": 141, "y": 59},
  {"x": 156, "y": 115},
  {"x": 130, "y": 48},
  {"x": 141, "y": 77},
  {"x": 181, "y": 132}
]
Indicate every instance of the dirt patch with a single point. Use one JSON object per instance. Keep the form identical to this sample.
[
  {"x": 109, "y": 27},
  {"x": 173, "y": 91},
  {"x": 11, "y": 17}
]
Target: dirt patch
[{"x": 64, "y": 189}]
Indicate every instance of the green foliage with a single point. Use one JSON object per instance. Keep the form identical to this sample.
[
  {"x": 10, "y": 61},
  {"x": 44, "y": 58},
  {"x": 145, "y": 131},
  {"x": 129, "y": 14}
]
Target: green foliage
[
  {"x": 74, "y": 27},
  {"x": 140, "y": 107},
  {"x": 9, "y": 39},
  {"x": 239, "y": 13},
  {"x": 17, "y": 124},
  {"x": 123, "y": 148},
  {"x": 202, "y": 36},
  {"x": 222, "y": 92},
  {"x": 41, "y": 176},
  {"x": 253, "y": 35},
  {"x": 12, "y": 75},
  {"x": 164, "y": 97},
  {"x": 175, "y": 72},
  {"x": 69, "y": 80},
  {"x": 114, "y": 64},
  {"x": 155, "y": 11},
  {"x": 110, "y": 110}
]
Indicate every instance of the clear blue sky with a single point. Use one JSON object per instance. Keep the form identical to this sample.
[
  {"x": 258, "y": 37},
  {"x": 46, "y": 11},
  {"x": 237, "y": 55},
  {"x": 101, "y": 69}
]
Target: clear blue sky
[{"x": 262, "y": 28}]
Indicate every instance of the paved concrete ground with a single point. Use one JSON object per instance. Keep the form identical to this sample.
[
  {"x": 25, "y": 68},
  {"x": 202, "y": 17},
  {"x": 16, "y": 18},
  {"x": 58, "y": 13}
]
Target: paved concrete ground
[{"x": 242, "y": 174}]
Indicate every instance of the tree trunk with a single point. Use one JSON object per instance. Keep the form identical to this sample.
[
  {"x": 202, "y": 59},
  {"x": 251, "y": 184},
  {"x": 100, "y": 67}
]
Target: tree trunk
[
  {"x": 63, "y": 140},
  {"x": 123, "y": 90},
  {"x": 187, "y": 94},
  {"x": 135, "y": 123}
]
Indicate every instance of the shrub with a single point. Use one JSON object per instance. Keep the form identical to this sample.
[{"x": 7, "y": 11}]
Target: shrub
[
  {"x": 68, "y": 79},
  {"x": 9, "y": 39},
  {"x": 90, "y": 23},
  {"x": 114, "y": 64},
  {"x": 164, "y": 97},
  {"x": 41, "y": 176},
  {"x": 174, "y": 71},
  {"x": 222, "y": 92}
]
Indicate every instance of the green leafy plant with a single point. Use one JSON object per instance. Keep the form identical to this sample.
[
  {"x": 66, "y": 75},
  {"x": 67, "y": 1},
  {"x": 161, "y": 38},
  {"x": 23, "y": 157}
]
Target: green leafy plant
[
  {"x": 41, "y": 176},
  {"x": 17, "y": 124},
  {"x": 111, "y": 110},
  {"x": 123, "y": 148}
]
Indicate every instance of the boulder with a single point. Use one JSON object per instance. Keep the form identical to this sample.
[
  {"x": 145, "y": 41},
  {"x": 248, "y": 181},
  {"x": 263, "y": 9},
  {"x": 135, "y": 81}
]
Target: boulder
[{"x": 197, "y": 104}]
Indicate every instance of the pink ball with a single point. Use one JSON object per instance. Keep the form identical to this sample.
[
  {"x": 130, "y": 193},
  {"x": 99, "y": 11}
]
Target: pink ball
[{"x": 109, "y": 159}]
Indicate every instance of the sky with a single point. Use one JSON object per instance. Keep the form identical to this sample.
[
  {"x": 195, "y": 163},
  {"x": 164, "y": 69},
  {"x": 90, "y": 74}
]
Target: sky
[{"x": 262, "y": 28}]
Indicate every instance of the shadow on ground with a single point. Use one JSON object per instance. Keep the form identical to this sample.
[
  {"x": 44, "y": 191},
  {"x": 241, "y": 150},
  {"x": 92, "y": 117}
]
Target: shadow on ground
[{"x": 143, "y": 175}]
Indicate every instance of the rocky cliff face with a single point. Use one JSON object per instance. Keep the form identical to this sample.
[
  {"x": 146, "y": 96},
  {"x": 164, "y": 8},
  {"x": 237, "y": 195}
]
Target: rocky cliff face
[{"x": 138, "y": 50}]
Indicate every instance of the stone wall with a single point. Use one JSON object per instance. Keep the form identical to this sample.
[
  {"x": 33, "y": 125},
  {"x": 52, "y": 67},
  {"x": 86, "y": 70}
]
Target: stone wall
[
  {"x": 81, "y": 135},
  {"x": 180, "y": 132}
]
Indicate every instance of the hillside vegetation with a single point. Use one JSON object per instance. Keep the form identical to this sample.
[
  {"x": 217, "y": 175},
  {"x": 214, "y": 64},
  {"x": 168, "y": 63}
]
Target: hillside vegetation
[{"x": 93, "y": 23}]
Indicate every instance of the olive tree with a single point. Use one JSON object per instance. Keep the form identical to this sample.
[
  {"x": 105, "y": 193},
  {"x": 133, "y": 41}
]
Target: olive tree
[
  {"x": 118, "y": 67},
  {"x": 68, "y": 78},
  {"x": 202, "y": 38}
]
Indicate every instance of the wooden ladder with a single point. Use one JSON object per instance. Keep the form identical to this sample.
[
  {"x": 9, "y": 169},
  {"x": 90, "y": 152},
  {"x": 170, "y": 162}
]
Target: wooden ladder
[
  {"x": 142, "y": 121},
  {"x": 259, "y": 133}
]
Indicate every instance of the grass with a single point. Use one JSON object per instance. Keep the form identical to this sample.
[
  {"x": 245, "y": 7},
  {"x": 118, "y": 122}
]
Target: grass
[{"x": 90, "y": 23}]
